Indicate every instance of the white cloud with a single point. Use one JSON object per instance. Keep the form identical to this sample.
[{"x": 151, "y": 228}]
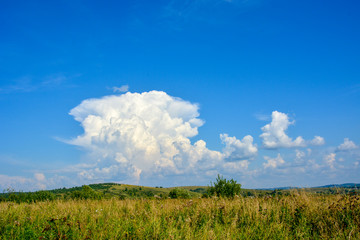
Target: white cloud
[
  {"x": 123, "y": 88},
  {"x": 54, "y": 80},
  {"x": 238, "y": 150},
  {"x": 299, "y": 156},
  {"x": 273, "y": 162},
  {"x": 309, "y": 151},
  {"x": 330, "y": 160},
  {"x": 19, "y": 183},
  {"x": 317, "y": 141},
  {"x": 134, "y": 136},
  {"x": 304, "y": 162},
  {"x": 274, "y": 135},
  {"x": 236, "y": 167},
  {"x": 30, "y": 84},
  {"x": 39, "y": 177},
  {"x": 12, "y": 182},
  {"x": 262, "y": 117},
  {"x": 347, "y": 145}
]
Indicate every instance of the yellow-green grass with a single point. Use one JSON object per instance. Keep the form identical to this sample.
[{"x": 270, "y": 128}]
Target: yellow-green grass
[{"x": 297, "y": 216}]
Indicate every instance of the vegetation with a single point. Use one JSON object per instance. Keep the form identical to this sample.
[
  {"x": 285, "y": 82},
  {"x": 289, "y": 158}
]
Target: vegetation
[
  {"x": 297, "y": 215},
  {"x": 224, "y": 188},
  {"x": 85, "y": 193},
  {"x": 179, "y": 193},
  {"x": 120, "y": 211},
  {"x": 30, "y": 197},
  {"x": 124, "y": 191},
  {"x": 102, "y": 191}
]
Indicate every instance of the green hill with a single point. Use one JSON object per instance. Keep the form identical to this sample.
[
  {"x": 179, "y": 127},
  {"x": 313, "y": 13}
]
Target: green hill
[{"x": 126, "y": 191}]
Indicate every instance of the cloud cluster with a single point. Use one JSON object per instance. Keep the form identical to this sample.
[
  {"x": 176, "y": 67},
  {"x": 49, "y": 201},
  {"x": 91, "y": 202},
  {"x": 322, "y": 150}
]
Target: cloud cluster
[
  {"x": 347, "y": 145},
  {"x": 19, "y": 183},
  {"x": 238, "y": 150},
  {"x": 274, "y": 134},
  {"x": 317, "y": 141},
  {"x": 146, "y": 138},
  {"x": 133, "y": 135},
  {"x": 273, "y": 162},
  {"x": 330, "y": 160}
]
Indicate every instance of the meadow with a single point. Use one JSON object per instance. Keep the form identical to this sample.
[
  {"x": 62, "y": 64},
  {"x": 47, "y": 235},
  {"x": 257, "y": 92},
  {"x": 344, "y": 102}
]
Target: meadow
[{"x": 296, "y": 215}]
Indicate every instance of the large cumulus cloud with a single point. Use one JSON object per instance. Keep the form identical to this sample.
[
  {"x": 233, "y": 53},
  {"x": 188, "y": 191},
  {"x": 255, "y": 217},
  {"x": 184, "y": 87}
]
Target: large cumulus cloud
[{"x": 137, "y": 135}]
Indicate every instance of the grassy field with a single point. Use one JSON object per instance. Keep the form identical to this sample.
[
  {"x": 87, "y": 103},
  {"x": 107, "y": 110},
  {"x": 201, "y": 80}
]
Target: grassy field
[{"x": 299, "y": 215}]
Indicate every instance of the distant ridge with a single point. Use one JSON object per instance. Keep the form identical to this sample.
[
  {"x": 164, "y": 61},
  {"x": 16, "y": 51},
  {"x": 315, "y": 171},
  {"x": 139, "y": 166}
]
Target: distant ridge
[
  {"x": 277, "y": 188},
  {"x": 117, "y": 189},
  {"x": 344, "y": 185}
]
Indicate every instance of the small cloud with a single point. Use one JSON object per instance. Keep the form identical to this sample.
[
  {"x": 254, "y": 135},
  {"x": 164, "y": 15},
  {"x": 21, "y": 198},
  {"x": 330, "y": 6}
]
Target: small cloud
[
  {"x": 317, "y": 141},
  {"x": 299, "y": 156},
  {"x": 54, "y": 80},
  {"x": 236, "y": 149},
  {"x": 14, "y": 182},
  {"x": 273, "y": 162},
  {"x": 235, "y": 167},
  {"x": 23, "y": 84},
  {"x": 347, "y": 145},
  {"x": 274, "y": 133},
  {"x": 330, "y": 160},
  {"x": 123, "y": 88},
  {"x": 39, "y": 177},
  {"x": 32, "y": 84},
  {"x": 309, "y": 151},
  {"x": 262, "y": 117}
]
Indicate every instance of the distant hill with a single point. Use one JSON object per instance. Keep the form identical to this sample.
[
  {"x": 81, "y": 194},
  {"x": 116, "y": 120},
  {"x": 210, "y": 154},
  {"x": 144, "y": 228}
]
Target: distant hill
[
  {"x": 345, "y": 185},
  {"x": 126, "y": 191},
  {"x": 132, "y": 191},
  {"x": 277, "y": 188}
]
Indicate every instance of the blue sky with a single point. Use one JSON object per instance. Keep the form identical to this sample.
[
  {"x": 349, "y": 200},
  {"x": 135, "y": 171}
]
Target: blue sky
[{"x": 202, "y": 67}]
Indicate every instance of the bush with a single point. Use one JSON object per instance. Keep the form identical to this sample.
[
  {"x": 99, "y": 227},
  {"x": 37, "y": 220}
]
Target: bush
[
  {"x": 224, "y": 188},
  {"x": 43, "y": 196},
  {"x": 85, "y": 193},
  {"x": 179, "y": 193},
  {"x": 205, "y": 195}
]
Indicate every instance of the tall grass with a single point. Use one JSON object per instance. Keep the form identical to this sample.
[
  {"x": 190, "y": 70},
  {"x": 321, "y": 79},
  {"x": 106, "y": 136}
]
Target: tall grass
[{"x": 298, "y": 216}]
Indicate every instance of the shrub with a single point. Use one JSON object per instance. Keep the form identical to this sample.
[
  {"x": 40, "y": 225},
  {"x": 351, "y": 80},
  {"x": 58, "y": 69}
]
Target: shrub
[
  {"x": 224, "y": 188},
  {"x": 205, "y": 195},
  {"x": 85, "y": 193},
  {"x": 179, "y": 193}
]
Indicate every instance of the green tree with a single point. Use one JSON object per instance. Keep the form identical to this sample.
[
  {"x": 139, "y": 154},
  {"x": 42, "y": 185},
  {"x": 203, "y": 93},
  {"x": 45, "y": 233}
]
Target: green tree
[
  {"x": 224, "y": 188},
  {"x": 179, "y": 193}
]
